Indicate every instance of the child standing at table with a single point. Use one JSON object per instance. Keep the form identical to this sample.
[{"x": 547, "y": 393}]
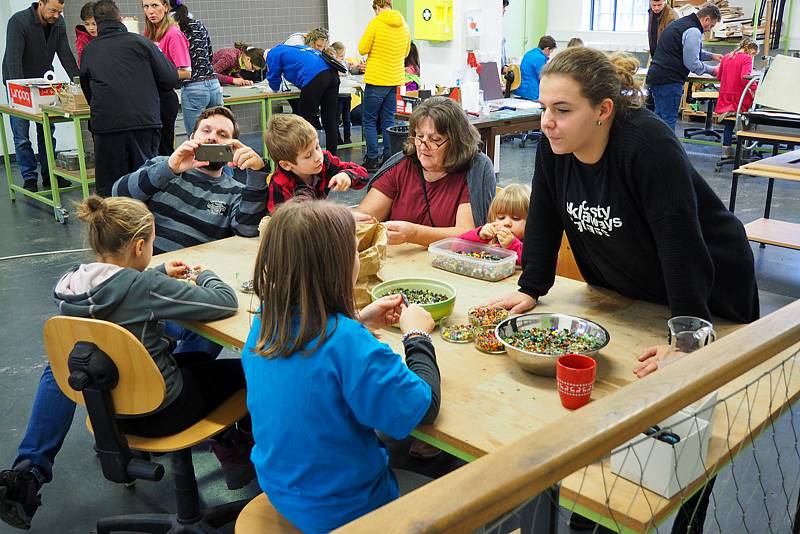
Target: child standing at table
[
  {"x": 507, "y": 215},
  {"x": 733, "y": 73},
  {"x": 301, "y": 166},
  {"x": 87, "y": 31},
  {"x": 347, "y": 88},
  {"x": 319, "y": 382}
]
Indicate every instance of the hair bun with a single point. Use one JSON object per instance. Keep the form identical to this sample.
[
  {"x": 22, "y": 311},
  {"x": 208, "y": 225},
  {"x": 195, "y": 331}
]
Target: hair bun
[{"x": 91, "y": 208}]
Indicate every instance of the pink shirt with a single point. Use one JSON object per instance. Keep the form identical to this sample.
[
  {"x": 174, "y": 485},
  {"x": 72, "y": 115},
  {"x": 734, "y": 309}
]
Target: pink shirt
[
  {"x": 733, "y": 70},
  {"x": 175, "y": 47},
  {"x": 475, "y": 235}
]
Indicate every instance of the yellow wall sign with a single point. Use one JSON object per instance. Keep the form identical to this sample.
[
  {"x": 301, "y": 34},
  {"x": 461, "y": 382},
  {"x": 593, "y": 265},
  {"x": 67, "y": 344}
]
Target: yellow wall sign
[{"x": 433, "y": 20}]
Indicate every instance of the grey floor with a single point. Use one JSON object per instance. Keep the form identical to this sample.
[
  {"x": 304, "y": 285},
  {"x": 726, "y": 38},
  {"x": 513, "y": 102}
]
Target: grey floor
[{"x": 79, "y": 494}]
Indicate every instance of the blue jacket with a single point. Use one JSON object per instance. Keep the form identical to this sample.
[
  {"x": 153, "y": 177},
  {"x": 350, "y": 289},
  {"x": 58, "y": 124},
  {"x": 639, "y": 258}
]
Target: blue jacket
[
  {"x": 298, "y": 64},
  {"x": 531, "y": 72}
]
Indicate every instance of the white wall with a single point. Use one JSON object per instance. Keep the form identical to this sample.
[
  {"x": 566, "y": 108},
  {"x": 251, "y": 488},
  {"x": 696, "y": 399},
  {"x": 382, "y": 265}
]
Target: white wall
[
  {"x": 65, "y": 136},
  {"x": 440, "y": 61}
]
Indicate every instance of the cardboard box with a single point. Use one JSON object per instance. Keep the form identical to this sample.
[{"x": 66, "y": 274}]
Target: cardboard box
[
  {"x": 668, "y": 469},
  {"x": 30, "y": 94}
]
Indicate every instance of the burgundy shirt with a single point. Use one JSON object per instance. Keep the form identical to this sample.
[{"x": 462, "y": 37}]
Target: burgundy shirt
[{"x": 403, "y": 184}]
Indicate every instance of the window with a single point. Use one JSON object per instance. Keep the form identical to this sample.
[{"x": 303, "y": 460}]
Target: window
[{"x": 619, "y": 15}]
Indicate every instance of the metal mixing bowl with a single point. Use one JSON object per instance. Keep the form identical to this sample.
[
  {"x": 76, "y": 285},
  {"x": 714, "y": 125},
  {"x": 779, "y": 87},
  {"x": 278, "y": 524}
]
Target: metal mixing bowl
[{"x": 545, "y": 364}]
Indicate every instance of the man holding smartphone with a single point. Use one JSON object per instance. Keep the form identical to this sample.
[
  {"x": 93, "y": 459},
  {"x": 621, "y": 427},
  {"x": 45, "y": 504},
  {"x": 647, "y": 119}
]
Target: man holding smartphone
[{"x": 192, "y": 200}]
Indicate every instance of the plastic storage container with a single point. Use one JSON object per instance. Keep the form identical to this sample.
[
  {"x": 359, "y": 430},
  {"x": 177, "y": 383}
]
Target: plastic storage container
[{"x": 472, "y": 259}]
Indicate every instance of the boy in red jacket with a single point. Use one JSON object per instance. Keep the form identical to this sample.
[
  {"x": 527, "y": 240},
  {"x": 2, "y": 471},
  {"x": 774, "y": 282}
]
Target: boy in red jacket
[
  {"x": 301, "y": 166},
  {"x": 87, "y": 31}
]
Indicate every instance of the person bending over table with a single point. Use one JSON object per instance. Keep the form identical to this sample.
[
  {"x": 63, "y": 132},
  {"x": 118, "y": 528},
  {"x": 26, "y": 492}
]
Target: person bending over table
[
  {"x": 639, "y": 218},
  {"x": 440, "y": 186}
]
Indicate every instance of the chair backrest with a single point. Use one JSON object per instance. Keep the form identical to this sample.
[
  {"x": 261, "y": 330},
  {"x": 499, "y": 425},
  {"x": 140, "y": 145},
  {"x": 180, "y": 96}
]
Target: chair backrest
[
  {"x": 567, "y": 266},
  {"x": 141, "y": 387}
]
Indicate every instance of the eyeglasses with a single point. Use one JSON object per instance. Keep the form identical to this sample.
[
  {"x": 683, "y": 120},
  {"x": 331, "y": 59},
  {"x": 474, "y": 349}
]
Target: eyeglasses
[{"x": 429, "y": 143}]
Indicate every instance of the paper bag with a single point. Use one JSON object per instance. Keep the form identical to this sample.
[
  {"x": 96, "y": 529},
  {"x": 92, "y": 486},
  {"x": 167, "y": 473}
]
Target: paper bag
[{"x": 372, "y": 243}]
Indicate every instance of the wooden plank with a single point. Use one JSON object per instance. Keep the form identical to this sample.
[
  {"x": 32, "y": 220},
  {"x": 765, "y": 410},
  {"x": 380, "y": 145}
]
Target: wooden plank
[
  {"x": 772, "y": 232},
  {"x": 788, "y": 163},
  {"x": 61, "y": 171},
  {"x": 763, "y": 173},
  {"x": 768, "y": 136}
]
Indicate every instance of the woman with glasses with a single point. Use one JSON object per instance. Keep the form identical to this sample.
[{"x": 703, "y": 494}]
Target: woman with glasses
[{"x": 439, "y": 186}]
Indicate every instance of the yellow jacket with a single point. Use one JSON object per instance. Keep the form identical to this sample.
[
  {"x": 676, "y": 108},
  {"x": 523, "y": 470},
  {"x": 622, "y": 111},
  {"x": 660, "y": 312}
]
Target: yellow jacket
[{"x": 386, "y": 42}]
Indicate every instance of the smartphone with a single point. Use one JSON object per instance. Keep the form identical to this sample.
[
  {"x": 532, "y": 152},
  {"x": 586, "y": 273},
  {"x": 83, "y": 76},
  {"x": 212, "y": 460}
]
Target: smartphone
[{"x": 214, "y": 153}]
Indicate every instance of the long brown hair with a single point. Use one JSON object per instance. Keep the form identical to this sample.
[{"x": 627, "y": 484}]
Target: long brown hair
[
  {"x": 600, "y": 76},
  {"x": 155, "y": 32},
  {"x": 255, "y": 54},
  {"x": 303, "y": 274},
  {"x": 449, "y": 121}
]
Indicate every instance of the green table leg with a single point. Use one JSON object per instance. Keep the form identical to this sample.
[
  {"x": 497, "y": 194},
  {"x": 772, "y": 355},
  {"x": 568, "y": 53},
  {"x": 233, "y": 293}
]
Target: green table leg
[
  {"x": 81, "y": 156},
  {"x": 55, "y": 193},
  {"x": 7, "y": 156},
  {"x": 266, "y": 116}
]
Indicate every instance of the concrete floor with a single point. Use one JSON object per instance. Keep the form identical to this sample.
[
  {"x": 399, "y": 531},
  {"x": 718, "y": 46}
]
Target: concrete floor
[{"x": 79, "y": 494}]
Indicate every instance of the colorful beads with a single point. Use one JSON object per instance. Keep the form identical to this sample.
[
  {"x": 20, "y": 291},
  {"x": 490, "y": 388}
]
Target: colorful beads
[
  {"x": 552, "y": 341},
  {"x": 457, "y": 333},
  {"x": 474, "y": 267},
  {"x": 418, "y": 296},
  {"x": 487, "y": 315},
  {"x": 486, "y": 341},
  {"x": 480, "y": 255}
]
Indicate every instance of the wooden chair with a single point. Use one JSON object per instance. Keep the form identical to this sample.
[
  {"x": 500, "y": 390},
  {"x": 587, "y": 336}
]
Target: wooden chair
[
  {"x": 567, "y": 266},
  {"x": 259, "y": 517},
  {"x": 103, "y": 366}
]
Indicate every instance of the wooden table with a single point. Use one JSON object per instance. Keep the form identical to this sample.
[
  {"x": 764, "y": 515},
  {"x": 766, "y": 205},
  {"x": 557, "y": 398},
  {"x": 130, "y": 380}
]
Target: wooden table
[
  {"x": 84, "y": 176},
  {"x": 765, "y": 230},
  {"x": 489, "y": 402},
  {"x": 51, "y": 197},
  {"x": 770, "y": 136}
]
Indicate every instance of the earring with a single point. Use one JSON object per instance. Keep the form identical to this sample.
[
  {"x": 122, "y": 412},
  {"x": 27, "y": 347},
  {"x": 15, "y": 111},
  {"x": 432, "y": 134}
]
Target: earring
[{"x": 599, "y": 123}]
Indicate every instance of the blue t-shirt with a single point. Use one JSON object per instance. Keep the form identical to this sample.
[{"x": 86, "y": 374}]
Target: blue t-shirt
[
  {"x": 530, "y": 70},
  {"x": 314, "y": 419},
  {"x": 298, "y": 64}
]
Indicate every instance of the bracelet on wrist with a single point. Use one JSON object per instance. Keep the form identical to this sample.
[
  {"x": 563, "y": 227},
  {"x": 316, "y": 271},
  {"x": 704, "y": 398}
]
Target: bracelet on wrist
[{"x": 417, "y": 333}]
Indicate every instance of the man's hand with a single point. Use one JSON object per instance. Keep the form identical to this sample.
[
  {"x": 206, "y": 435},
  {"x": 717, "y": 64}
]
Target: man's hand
[
  {"x": 716, "y": 57},
  {"x": 362, "y": 217},
  {"x": 340, "y": 182},
  {"x": 182, "y": 159},
  {"x": 245, "y": 157},
  {"x": 488, "y": 232},
  {"x": 399, "y": 232},
  {"x": 241, "y": 81},
  {"x": 505, "y": 237}
]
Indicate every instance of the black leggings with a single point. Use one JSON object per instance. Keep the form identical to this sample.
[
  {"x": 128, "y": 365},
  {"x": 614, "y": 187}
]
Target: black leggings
[
  {"x": 322, "y": 93},
  {"x": 206, "y": 385},
  {"x": 169, "y": 113}
]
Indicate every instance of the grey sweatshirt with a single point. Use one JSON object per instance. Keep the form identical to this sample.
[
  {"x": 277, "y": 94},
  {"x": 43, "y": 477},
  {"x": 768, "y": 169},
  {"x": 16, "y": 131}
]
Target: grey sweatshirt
[{"x": 141, "y": 302}]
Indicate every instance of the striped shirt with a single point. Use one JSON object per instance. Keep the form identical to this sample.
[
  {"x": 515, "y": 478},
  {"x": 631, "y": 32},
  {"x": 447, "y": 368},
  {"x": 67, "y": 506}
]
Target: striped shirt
[{"x": 195, "y": 208}]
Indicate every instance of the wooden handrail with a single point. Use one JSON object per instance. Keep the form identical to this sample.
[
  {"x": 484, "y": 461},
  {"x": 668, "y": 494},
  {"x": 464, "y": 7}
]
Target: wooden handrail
[{"x": 496, "y": 483}]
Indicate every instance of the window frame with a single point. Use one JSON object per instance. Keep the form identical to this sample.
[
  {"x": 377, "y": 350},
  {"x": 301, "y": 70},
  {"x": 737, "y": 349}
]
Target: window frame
[{"x": 613, "y": 18}]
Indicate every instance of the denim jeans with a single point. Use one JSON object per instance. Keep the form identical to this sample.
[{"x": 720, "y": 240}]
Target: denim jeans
[
  {"x": 26, "y": 159},
  {"x": 378, "y": 100},
  {"x": 52, "y": 413},
  {"x": 667, "y": 99},
  {"x": 51, "y": 417},
  {"x": 189, "y": 341},
  {"x": 196, "y": 97},
  {"x": 727, "y": 133}
]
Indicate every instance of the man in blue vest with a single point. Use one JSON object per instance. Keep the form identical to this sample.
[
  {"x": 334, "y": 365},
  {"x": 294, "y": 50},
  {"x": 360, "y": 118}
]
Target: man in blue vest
[{"x": 679, "y": 52}]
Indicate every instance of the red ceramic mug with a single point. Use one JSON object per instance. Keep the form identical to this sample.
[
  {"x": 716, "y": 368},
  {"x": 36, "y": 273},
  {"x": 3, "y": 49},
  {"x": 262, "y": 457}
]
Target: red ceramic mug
[{"x": 575, "y": 376}]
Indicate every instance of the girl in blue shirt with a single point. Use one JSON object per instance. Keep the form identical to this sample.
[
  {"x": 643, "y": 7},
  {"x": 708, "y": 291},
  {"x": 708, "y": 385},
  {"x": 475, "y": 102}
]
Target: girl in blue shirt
[{"x": 319, "y": 384}]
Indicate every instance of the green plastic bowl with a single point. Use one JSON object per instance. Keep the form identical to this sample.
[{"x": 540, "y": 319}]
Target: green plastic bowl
[{"x": 438, "y": 310}]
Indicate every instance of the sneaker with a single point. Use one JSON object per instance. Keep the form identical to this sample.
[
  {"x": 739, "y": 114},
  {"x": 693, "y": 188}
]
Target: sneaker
[
  {"x": 727, "y": 152},
  {"x": 371, "y": 164},
  {"x": 19, "y": 497},
  {"x": 232, "y": 449},
  {"x": 423, "y": 451},
  {"x": 30, "y": 185}
]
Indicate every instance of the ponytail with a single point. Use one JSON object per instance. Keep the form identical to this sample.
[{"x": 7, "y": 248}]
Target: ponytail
[
  {"x": 600, "y": 76},
  {"x": 256, "y": 55},
  {"x": 112, "y": 224}
]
